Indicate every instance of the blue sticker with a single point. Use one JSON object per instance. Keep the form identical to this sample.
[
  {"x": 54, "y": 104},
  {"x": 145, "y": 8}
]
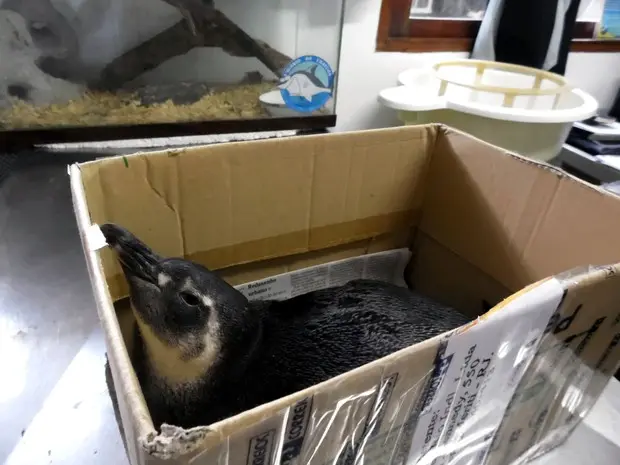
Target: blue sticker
[{"x": 306, "y": 83}]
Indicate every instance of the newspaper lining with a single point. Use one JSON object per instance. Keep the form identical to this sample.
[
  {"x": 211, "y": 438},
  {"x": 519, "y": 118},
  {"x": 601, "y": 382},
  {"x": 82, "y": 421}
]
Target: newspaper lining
[{"x": 383, "y": 266}]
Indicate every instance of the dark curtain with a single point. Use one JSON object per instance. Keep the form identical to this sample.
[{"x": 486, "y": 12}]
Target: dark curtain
[
  {"x": 567, "y": 36},
  {"x": 522, "y": 30}
]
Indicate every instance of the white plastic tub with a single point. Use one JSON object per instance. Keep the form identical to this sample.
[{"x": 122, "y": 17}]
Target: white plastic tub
[{"x": 524, "y": 110}]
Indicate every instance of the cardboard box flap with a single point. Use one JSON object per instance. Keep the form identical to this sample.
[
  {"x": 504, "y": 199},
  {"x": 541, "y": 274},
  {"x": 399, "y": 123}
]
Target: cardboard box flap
[
  {"x": 448, "y": 278},
  {"x": 223, "y": 205},
  {"x": 507, "y": 214},
  {"x": 130, "y": 405},
  {"x": 590, "y": 214}
]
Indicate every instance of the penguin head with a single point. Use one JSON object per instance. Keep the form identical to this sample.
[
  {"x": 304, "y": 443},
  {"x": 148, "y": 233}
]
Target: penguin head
[{"x": 184, "y": 305}]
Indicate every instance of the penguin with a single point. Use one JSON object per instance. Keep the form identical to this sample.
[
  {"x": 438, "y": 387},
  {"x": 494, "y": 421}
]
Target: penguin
[{"x": 204, "y": 352}]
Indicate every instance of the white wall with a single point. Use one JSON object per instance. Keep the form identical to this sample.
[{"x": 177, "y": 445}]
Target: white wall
[
  {"x": 596, "y": 73},
  {"x": 364, "y": 72}
]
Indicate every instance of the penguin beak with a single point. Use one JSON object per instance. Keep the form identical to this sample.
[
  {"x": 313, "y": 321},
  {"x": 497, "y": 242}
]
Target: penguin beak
[{"x": 137, "y": 260}]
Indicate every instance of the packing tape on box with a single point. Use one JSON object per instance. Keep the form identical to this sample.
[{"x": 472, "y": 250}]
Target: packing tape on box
[
  {"x": 477, "y": 376},
  {"x": 95, "y": 238},
  {"x": 446, "y": 416},
  {"x": 501, "y": 390}
]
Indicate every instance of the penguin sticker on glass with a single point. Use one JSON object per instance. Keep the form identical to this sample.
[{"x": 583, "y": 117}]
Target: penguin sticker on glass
[{"x": 306, "y": 84}]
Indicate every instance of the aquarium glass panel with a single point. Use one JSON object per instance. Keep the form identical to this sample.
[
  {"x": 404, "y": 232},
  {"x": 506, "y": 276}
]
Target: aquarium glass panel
[{"x": 91, "y": 63}]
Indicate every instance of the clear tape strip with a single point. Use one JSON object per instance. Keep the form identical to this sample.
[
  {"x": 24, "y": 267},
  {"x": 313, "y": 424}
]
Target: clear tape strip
[{"x": 95, "y": 238}]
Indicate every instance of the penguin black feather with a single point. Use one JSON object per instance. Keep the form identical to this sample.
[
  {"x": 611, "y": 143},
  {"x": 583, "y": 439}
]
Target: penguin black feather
[{"x": 205, "y": 353}]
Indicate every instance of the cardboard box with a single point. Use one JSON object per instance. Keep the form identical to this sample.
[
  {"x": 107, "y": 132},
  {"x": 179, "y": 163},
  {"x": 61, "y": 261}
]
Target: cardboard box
[{"x": 487, "y": 229}]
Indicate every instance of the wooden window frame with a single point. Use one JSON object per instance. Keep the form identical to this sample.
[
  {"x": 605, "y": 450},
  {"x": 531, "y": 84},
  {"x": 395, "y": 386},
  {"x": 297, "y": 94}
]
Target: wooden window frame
[{"x": 397, "y": 32}]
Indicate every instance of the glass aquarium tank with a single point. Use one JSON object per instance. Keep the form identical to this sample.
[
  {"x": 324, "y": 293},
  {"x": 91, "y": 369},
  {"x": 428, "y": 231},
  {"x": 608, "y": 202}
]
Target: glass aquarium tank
[{"x": 78, "y": 70}]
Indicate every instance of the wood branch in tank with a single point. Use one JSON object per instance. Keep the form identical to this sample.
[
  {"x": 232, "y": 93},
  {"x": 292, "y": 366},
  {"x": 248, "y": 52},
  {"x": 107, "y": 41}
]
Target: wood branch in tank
[{"x": 204, "y": 26}]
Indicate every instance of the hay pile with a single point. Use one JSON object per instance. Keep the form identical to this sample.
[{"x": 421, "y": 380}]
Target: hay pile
[{"x": 100, "y": 109}]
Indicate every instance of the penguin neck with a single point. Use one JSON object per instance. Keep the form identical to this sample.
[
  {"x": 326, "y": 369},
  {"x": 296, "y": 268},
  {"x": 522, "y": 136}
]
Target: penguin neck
[
  {"x": 171, "y": 363},
  {"x": 236, "y": 358},
  {"x": 219, "y": 361}
]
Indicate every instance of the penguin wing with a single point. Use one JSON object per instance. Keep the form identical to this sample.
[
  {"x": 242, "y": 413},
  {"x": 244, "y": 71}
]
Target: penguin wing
[
  {"x": 321, "y": 334},
  {"x": 318, "y": 301},
  {"x": 371, "y": 302}
]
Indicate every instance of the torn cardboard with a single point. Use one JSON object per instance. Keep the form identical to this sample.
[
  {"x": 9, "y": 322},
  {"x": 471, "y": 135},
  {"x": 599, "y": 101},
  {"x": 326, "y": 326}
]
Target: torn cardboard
[{"x": 481, "y": 224}]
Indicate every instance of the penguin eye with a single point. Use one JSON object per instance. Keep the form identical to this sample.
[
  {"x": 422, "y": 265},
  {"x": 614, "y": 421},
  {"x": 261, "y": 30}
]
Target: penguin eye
[{"x": 189, "y": 299}]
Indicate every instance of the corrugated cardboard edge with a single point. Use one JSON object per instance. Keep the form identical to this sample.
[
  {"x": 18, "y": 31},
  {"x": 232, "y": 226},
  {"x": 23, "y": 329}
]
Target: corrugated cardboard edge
[
  {"x": 519, "y": 235},
  {"x": 136, "y": 419},
  {"x": 446, "y": 130}
]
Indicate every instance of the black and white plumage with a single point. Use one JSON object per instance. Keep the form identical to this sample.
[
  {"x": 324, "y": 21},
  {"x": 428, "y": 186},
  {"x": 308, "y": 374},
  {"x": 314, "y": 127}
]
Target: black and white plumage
[{"x": 207, "y": 353}]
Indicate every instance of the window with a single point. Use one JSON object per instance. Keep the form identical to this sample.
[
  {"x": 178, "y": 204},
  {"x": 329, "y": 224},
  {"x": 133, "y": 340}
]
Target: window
[{"x": 452, "y": 25}]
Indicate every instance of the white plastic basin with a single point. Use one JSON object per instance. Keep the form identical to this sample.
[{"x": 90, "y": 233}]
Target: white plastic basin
[{"x": 521, "y": 109}]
